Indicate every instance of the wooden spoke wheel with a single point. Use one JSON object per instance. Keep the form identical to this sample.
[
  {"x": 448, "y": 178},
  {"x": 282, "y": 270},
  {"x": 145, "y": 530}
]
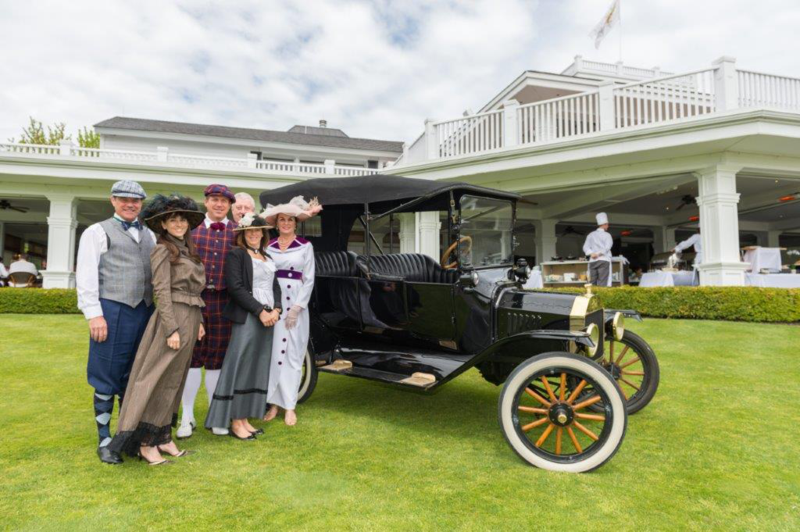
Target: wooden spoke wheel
[
  {"x": 632, "y": 362},
  {"x": 545, "y": 416},
  {"x": 308, "y": 380}
]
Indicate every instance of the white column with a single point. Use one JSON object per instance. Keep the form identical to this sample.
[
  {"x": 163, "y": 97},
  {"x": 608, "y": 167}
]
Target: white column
[
  {"x": 329, "y": 166},
  {"x": 545, "y": 239},
  {"x": 510, "y": 129},
  {"x": 162, "y": 154},
  {"x": 726, "y": 84},
  {"x": 774, "y": 239},
  {"x": 61, "y": 226},
  {"x": 663, "y": 239},
  {"x": 431, "y": 141},
  {"x": 427, "y": 241},
  {"x": 252, "y": 160},
  {"x": 2, "y": 240},
  {"x": 719, "y": 225},
  {"x": 606, "y": 106},
  {"x": 408, "y": 230}
]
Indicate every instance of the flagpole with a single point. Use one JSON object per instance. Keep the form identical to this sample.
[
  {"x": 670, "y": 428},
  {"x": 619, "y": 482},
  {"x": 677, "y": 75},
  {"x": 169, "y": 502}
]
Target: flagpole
[{"x": 619, "y": 7}]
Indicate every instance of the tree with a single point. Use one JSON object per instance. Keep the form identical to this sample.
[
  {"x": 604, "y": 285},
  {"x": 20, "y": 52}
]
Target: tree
[{"x": 35, "y": 134}]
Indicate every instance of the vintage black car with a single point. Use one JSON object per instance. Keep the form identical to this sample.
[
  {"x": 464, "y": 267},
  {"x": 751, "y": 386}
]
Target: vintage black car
[{"x": 410, "y": 321}]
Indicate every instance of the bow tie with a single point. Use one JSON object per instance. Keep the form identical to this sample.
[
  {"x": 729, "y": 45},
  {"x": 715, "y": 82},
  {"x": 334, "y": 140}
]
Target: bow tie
[
  {"x": 217, "y": 226},
  {"x": 128, "y": 225}
]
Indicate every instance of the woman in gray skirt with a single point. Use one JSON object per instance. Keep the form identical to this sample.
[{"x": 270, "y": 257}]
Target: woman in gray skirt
[{"x": 254, "y": 307}]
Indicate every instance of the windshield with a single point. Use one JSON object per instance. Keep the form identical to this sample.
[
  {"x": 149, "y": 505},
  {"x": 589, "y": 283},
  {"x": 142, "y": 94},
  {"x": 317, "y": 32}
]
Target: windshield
[{"x": 486, "y": 232}]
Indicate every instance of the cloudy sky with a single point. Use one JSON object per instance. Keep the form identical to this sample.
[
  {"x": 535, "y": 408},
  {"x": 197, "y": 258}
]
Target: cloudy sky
[{"x": 375, "y": 69}]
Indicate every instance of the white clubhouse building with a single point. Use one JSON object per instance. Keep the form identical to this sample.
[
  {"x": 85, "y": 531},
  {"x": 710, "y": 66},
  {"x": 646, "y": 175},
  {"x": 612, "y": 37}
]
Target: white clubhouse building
[{"x": 661, "y": 153}]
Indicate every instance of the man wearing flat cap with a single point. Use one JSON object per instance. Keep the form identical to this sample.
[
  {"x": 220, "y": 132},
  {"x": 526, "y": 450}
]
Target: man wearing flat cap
[
  {"x": 213, "y": 240},
  {"x": 598, "y": 247},
  {"x": 115, "y": 294}
]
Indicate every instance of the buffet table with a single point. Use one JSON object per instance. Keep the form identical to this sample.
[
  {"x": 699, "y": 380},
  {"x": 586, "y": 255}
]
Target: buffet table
[
  {"x": 576, "y": 272},
  {"x": 763, "y": 259},
  {"x": 680, "y": 278},
  {"x": 772, "y": 280}
]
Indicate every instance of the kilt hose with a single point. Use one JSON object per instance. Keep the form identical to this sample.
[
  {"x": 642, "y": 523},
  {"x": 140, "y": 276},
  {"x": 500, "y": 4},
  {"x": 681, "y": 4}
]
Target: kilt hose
[{"x": 210, "y": 352}]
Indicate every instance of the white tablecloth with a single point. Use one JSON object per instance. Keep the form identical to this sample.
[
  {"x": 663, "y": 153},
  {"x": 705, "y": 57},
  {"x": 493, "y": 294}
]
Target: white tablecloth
[
  {"x": 535, "y": 280},
  {"x": 651, "y": 279},
  {"x": 773, "y": 280},
  {"x": 760, "y": 258},
  {"x": 668, "y": 279}
]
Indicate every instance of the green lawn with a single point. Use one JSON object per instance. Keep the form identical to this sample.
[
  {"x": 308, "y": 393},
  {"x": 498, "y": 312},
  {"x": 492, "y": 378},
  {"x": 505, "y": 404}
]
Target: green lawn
[{"x": 719, "y": 447}]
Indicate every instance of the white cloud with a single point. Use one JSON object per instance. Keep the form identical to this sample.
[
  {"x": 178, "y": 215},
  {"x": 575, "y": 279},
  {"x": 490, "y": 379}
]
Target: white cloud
[{"x": 375, "y": 69}]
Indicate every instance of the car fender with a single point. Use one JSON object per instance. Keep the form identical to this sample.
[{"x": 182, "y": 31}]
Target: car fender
[{"x": 579, "y": 337}]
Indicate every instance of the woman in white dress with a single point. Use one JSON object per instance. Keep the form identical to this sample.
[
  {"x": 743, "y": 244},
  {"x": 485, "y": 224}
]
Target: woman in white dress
[{"x": 294, "y": 259}]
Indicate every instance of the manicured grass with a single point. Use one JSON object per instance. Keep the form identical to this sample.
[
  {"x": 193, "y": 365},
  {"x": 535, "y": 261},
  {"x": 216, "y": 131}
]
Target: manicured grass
[{"x": 718, "y": 448}]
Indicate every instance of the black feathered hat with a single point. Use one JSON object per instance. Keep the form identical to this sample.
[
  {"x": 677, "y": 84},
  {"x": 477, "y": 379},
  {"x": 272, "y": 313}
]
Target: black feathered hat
[{"x": 162, "y": 205}]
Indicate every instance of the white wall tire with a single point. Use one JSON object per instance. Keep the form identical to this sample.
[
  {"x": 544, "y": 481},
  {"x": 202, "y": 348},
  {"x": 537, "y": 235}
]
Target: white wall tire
[
  {"x": 308, "y": 380},
  {"x": 575, "y": 368}
]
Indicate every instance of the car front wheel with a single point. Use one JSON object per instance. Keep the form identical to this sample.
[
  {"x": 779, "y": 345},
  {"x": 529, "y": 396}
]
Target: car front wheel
[{"x": 545, "y": 417}]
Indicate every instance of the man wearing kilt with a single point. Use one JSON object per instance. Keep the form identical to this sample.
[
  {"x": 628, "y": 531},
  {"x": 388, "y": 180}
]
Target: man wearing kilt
[
  {"x": 213, "y": 239},
  {"x": 115, "y": 294}
]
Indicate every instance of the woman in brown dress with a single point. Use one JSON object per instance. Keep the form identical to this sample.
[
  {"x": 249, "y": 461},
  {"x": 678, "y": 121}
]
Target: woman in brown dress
[{"x": 159, "y": 371}]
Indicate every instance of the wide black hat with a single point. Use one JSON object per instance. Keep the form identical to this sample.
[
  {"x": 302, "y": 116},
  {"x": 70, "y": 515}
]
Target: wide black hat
[{"x": 162, "y": 205}]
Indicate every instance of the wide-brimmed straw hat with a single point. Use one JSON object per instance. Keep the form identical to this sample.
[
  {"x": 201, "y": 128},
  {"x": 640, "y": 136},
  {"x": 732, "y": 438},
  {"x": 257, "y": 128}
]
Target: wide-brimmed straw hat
[
  {"x": 252, "y": 221},
  {"x": 162, "y": 206},
  {"x": 297, "y": 207}
]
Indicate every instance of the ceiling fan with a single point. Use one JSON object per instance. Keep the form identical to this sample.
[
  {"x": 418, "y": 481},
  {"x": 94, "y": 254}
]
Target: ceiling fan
[
  {"x": 569, "y": 230},
  {"x": 688, "y": 199},
  {"x": 5, "y": 205}
]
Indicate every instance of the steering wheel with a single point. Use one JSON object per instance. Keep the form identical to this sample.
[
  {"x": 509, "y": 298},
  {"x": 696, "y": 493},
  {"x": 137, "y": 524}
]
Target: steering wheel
[{"x": 449, "y": 251}]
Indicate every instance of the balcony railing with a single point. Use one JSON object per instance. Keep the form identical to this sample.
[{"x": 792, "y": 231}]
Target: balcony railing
[
  {"x": 611, "y": 107},
  {"x": 163, "y": 156}
]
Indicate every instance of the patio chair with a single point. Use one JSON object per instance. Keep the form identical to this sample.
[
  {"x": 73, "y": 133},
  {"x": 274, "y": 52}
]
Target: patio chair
[{"x": 21, "y": 280}]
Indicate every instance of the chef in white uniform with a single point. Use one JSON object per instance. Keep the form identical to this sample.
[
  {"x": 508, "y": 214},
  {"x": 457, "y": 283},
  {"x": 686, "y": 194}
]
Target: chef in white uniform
[
  {"x": 693, "y": 241},
  {"x": 598, "y": 247}
]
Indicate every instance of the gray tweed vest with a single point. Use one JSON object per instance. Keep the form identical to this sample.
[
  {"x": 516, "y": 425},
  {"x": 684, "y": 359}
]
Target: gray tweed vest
[{"x": 125, "y": 274}]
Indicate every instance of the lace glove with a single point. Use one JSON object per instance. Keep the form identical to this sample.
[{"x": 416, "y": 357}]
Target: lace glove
[{"x": 291, "y": 317}]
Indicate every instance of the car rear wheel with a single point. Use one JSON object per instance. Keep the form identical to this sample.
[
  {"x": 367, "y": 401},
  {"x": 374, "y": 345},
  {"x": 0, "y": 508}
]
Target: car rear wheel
[
  {"x": 632, "y": 362},
  {"x": 544, "y": 415},
  {"x": 309, "y": 379}
]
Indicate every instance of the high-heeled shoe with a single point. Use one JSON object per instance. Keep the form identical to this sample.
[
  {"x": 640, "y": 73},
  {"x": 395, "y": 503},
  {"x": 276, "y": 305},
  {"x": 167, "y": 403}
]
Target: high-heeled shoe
[
  {"x": 180, "y": 454},
  {"x": 252, "y": 437},
  {"x": 156, "y": 463}
]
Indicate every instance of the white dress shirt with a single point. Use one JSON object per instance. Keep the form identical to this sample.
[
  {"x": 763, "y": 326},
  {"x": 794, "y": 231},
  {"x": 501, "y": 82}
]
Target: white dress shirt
[
  {"x": 94, "y": 242},
  {"x": 23, "y": 266},
  {"x": 599, "y": 242},
  {"x": 696, "y": 241},
  {"x": 208, "y": 221}
]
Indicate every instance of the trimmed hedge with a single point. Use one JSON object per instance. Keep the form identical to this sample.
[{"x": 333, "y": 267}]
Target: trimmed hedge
[
  {"x": 730, "y": 303},
  {"x": 38, "y": 301}
]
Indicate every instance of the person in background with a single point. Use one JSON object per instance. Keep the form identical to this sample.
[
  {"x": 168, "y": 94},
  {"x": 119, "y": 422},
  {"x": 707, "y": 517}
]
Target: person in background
[
  {"x": 213, "y": 239},
  {"x": 294, "y": 258},
  {"x": 3, "y": 273},
  {"x": 598, "y": 248},
  {"x": 243, "y": 204},
  {"x": 21, "y": 264},
  {"x": 254, "y": 308},
  {"x": 115, "y": 294},
  {"x": 162, "y": 360},
  {"x": 693, "y": 241}
]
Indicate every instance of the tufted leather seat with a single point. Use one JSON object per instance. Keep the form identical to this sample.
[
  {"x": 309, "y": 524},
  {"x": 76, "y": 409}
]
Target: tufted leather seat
[
  {"x": 338, "y": 263},
  {"x": 413, "y": 267}
]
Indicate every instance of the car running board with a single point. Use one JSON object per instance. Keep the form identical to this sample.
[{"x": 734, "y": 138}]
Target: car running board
[{"x": 345, "y": 367}]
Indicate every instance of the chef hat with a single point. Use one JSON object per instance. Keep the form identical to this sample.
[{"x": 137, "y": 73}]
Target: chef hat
[{"x": 602, "y": 218}]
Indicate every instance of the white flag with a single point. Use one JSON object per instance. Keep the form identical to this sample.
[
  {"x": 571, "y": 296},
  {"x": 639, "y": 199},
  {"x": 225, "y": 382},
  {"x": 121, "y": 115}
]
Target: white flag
[{"x": 603, "y": 27}]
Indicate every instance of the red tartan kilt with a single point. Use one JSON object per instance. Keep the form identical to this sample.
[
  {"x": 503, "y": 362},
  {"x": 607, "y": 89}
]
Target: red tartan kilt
[{"x": 211, "y": 351}]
